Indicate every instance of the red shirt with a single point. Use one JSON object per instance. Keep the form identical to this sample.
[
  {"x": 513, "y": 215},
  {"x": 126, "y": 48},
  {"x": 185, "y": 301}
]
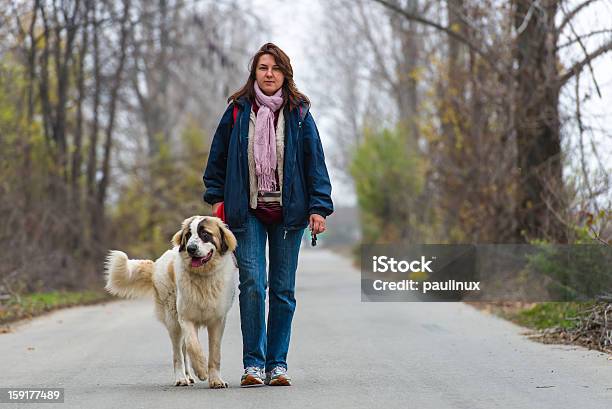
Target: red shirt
[{"x": 268, "y": 212}]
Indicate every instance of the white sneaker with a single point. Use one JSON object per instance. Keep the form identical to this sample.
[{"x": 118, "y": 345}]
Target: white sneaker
[
  {"x": 253, "y": 376},
  {"x": 278, "y": 377}
]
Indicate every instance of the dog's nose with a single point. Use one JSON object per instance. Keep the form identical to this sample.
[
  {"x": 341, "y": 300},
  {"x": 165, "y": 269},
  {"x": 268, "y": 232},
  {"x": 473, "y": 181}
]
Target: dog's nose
[{"x": 192, "y": 249}]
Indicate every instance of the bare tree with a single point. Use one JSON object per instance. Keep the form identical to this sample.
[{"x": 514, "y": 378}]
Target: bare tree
[
  {"x": 537, "y": 79},
  {"x": 73, "y": 74}
]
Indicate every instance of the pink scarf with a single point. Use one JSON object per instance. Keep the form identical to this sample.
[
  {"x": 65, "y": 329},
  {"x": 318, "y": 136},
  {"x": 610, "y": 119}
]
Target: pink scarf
[{"x": 265, "y": 139}]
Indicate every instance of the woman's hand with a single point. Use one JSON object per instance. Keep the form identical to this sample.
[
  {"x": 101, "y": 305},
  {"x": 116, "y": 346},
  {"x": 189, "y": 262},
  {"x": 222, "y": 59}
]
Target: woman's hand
[
  {"x": 317, "y": 223},
  {"x": 215, "y": 207}
]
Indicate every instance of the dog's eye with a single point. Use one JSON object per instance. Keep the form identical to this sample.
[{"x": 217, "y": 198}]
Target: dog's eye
[
  {"x": 188, "y": 235},
  {"x": 204, "y": 235}
]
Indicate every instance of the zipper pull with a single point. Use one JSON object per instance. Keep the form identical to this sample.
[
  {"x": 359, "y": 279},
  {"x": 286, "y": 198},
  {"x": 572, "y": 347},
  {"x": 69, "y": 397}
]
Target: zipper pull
[{"x": 284, "y": 237}]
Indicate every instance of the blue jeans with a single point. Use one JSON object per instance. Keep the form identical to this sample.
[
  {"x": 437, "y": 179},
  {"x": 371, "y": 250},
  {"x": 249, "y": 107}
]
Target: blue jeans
[{"x": 261, "y": 348}]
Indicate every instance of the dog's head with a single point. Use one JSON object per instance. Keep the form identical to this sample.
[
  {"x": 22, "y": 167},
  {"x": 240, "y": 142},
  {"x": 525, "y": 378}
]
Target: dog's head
[{"x": 202, "y": 240}]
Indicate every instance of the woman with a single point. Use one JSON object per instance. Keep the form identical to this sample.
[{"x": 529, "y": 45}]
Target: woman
[{"x": 267, "y": 167}]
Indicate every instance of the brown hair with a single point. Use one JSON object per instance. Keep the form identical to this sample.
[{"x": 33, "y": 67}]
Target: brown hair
[{"x": 290, "y": 91}]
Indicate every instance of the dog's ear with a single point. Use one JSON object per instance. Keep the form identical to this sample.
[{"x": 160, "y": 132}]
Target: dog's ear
[
  {"x": 228, "y": 240},
  {"x": 179, "y": 237}
]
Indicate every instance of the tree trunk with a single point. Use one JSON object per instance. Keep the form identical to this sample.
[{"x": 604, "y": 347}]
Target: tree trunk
[
  {"x": 540, "y": 188},
  {"x": 112, "y": 109},
  {"x": 92, "y": 160}
]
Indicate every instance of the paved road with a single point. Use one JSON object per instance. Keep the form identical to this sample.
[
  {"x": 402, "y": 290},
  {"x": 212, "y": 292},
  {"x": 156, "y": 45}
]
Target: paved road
[{"x": 344, "y": 354}]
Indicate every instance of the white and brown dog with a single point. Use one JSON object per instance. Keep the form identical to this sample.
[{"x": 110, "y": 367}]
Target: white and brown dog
[{"x": 193, "y": 285}]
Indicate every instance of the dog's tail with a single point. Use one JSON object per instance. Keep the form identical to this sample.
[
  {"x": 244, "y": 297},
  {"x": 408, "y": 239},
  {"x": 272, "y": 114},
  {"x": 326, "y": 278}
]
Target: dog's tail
[{"x": 128, "y": 278}]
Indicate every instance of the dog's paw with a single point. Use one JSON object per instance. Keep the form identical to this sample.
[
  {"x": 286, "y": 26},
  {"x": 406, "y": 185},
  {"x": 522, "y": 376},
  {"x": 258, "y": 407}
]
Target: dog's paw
[
  {"x": 182, "y": 381},
  {"x": 217, "y": 383},
  {"x": 190, "y": 377},
  {"x": 202, "y": 374}
]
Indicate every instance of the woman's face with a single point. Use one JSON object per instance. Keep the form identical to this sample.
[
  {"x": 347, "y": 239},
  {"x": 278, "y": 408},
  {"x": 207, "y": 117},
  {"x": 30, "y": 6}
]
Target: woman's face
[{"x": 268, "y": 75}]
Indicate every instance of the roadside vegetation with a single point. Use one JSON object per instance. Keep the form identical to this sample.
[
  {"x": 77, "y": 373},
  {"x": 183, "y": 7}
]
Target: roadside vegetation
[{"x": 16, "y": 308}]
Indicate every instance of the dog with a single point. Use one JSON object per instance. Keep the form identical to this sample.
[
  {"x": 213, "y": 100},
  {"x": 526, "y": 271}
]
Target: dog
[{"x": 193, "y": 285}]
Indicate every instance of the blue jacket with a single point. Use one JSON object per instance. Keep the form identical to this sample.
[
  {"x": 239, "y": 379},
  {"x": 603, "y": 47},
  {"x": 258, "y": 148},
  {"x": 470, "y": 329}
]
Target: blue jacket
[{"x": 306, "y": 185}]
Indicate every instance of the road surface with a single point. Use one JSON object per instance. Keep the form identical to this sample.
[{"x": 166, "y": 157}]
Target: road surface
[{"x": 344, "y": 354}]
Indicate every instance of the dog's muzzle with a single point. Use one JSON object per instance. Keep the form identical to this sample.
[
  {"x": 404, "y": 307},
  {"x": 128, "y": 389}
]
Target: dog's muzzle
[{"x": 200, "y": 261}]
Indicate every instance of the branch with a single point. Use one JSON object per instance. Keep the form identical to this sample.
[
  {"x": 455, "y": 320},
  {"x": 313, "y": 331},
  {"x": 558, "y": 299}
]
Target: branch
[
  {"x": 586, "y": 53},
  {"x": 582, "y": 37},
  {"x": 598, "y": 237},
  {"x": 569, "y": 16},
  {"x": 449, "y": 31},
  {"x": 526, "y": 20},
  {"x": 583, "y": 165},
  {"x": 576, "y": 68},
  {"x": 22, "y": 33},
  {"x": 459, "y": 13},
  {"x": 373, "y": 45}
]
